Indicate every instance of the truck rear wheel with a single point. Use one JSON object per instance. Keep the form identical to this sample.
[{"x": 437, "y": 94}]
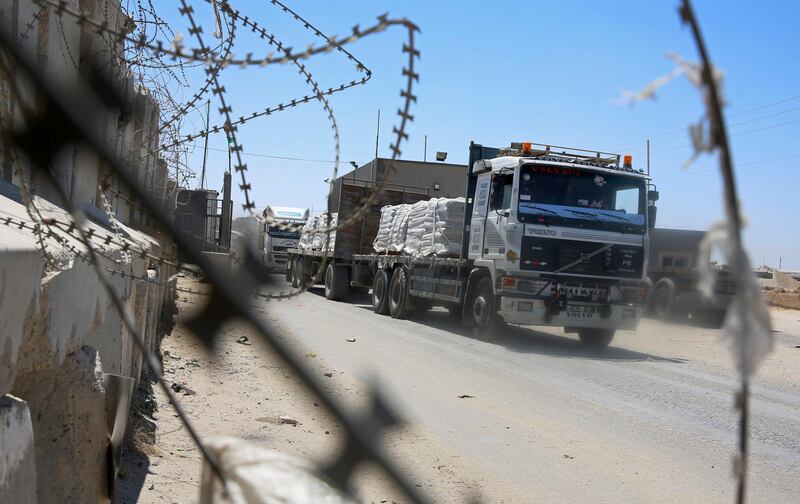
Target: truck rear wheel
[
  {"x": 595, "y": 338},
  {"x": 398, "y": 294},
  {"x": 380, "y": 290},
  {"x": 304, "y": 278},
  {"x": 337, "y": 282}
]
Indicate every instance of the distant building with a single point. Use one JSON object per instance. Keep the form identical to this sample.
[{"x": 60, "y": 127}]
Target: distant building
[{"x": 441, "y": 180}]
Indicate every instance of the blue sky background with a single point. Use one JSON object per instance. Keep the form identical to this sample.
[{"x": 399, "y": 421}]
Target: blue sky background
[{"x": 548, "y": 72}]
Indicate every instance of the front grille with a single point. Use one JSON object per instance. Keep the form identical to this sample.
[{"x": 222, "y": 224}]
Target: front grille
[
  {"x": 581, "y": 257},
  {"x": 278, "y": 248}
]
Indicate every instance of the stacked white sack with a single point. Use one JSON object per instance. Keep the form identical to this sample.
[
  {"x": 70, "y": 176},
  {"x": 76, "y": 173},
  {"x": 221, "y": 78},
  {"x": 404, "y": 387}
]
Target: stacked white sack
[
  {"x": 332, "y": 237},
  {"x": 399, "y": 227},
  {"x": 420, "y": 223},
  {"x": 318, "y": 233},
  {"x": 447, "y": 227},
  {"x": 306, "y": 234},
  {"x": 381, "y": 243}
]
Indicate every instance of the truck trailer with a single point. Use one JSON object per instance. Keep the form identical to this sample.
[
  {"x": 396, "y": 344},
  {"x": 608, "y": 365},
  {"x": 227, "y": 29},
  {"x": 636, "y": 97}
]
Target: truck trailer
[{"x": 552, "y": 236}]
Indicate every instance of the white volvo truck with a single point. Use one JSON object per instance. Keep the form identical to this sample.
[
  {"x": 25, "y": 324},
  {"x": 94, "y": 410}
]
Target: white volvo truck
[
  {"x": 281, "y": 232},
  {"x": 553, "y": 236}
]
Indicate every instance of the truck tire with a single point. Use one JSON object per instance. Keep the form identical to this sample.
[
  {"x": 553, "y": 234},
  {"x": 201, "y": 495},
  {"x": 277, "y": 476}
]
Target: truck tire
[
  {"x": 380, "y": 290},
  {"x": 304, "y": 279},
  {"x": 337, "y": 282},
  {"x": 662, "y": 300},
  {"x": 399, "y": 306},
  {"x": 595, "y": 338},
  {"x": 288, "y": 272},
  {"x": 481, "y": 308},
  {"x": 296, "y": 272}
]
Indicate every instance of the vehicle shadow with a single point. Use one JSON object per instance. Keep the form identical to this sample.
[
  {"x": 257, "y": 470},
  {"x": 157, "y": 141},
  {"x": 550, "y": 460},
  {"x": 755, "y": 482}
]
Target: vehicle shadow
[
  {"x": 518, "y": 338},
  {"x": 528, "y": 340},
  {"x": 690, "y": 320}
]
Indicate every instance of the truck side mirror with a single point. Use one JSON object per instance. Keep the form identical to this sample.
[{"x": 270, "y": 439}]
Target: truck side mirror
[
  {"x": 651, "y": 216},
  {"x": 652, "y": 196}
]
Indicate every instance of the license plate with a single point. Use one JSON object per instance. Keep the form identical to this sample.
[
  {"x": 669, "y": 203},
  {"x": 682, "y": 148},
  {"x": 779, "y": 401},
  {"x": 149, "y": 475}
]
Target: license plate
[{"x": 581, "y": 311}]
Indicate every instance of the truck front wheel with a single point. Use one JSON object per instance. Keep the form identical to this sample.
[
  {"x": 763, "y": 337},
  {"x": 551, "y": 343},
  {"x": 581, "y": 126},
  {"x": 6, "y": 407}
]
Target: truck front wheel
[
  {"x": 398, "y": 294},
  {"x": 288, "y": 272},
  {"x": 595, "y": 338},
  {"x": 380, "y": 290},
  {"x": 296, "y": 272},
  {"x": 481, "y": 307}
]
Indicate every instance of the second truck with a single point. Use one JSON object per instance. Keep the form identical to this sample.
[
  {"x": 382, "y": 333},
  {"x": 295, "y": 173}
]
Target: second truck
[
  {"x": 552, "y": 236},
  {"x": 281, "y": 232}
]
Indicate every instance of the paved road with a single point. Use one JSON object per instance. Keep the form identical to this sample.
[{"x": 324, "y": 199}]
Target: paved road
[{"x": 649, "y": 420}]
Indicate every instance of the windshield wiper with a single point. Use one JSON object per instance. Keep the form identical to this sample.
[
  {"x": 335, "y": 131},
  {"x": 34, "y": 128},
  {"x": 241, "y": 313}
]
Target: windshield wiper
[
  {"x": 578, "y": 212},
  {"x": 623, "y": 219},
  {"x": 543, "y": 210}
]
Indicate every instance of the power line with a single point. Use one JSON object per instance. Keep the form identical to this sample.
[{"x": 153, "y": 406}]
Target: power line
[
  {"x": 734, "y": 135},
  {"x": 762, "y": 107},
  {"x": 682, "y": 137},
  {"x": 284, "y": 158},
  {"x": 752, "y": 163}
]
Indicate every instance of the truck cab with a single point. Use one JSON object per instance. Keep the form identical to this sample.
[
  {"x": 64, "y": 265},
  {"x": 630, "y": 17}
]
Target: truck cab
[
  {"x": 563, "y": 234},
  {"x": 281, "y": 230}
]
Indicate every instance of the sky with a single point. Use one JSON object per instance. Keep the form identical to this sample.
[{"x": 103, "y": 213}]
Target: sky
[{"x": 547, "y": 72}]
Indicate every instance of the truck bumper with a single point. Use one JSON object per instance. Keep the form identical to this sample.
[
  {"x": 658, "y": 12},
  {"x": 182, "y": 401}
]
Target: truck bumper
[
  {"x": 526, "y": 311},
  {"x": 276, "y": 262}
]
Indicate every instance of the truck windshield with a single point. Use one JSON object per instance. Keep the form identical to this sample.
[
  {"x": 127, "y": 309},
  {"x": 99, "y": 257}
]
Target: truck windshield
[
  {"x": 277, "y": 232},
  {"x": 577, "y": 197}
]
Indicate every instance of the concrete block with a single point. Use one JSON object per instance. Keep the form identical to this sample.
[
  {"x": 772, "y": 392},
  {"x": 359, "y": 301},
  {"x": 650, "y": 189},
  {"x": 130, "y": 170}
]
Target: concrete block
[
  {"x": 68, "y": 410},
  {"x": 17, "y": 455}
]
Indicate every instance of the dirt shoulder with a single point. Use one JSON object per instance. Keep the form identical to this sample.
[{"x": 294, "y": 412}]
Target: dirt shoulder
[{"x": 246, "y": 392}]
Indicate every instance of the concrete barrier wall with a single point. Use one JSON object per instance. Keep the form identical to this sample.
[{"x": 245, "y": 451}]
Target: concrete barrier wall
[{"x": 60, "y": 331}]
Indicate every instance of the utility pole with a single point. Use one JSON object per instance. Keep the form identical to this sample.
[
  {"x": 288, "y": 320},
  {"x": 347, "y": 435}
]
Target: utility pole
[
  {"x": 648, "y": 157},
  {"x": 377, "y": 133},
  {"x": 227, "y": 206},
  {"x": 377, "y": 137},
  {"x": 425, "y": 155},
  {"x": 205, "y": 147}
]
